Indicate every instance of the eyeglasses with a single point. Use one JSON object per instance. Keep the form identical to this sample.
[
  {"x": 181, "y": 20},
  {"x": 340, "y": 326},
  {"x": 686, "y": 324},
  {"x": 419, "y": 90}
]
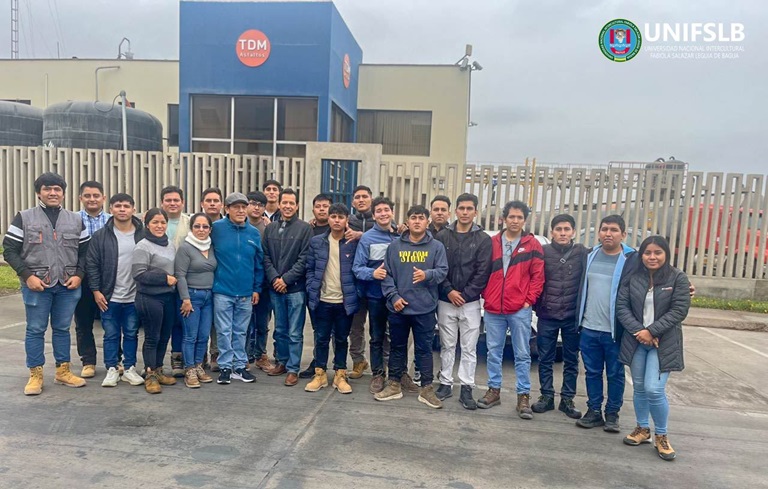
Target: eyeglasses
[
  {"x": 256, "y": 204},
  {"x": 201, "y": 226}
]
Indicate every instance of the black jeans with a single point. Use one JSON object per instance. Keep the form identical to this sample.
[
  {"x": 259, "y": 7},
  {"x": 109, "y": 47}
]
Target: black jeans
[
  {"x": 377, "y": 322},
  {"x": 157, "y": 313},
  {"x": 85, "y": 314},
  {"x": 546, "y": 340},
  {"x": 423, "y": 327},
  {"x": 331, "y": 319}
]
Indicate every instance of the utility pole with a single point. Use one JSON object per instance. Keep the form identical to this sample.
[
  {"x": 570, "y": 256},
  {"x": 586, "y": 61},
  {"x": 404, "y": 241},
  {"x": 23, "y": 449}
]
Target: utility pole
[{"x": 14, "y": 29}]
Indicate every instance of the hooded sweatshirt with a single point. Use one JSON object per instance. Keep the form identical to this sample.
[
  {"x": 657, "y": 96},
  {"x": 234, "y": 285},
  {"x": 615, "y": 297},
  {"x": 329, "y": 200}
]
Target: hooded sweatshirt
[{"x": 401, "y": 258}]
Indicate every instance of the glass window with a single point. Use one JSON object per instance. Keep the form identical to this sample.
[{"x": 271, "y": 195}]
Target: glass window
[
  {"x": 292, "y": 150},
  {"x": 296, "y": 119},
  {"x": 248, "y": 148},
  {"x": 211, "y": 147},
  {"x": 211, "y": 117},
  {"x": 254, "y": 117},
  {"x": 173, "y": 124},
  {"x": 341, "y": 126},
  {"x": 399, "y": 132}
]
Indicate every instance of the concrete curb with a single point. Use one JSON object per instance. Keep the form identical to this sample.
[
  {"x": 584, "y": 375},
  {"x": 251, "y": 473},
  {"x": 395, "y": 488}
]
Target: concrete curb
[{"x": 716, "y": 318}]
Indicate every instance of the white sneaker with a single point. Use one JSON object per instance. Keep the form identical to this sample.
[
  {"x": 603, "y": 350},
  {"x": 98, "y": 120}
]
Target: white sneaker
[
  {"x": 111, "y": 379},
  {"x": 132, "y": 377}
]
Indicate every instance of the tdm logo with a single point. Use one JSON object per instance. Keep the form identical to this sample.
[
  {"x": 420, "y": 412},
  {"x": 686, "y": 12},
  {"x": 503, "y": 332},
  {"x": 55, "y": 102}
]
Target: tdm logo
[
  {"x": 253, "y": 48},
  {"x": 620, "y": 40}
]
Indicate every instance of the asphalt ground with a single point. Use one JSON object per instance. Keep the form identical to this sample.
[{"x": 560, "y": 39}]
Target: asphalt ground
[{"x": 268, "y": 435}]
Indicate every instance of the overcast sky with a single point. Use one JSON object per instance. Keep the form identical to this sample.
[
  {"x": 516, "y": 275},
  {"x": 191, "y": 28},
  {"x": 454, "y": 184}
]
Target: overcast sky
[{"x": 545, "y": 91}]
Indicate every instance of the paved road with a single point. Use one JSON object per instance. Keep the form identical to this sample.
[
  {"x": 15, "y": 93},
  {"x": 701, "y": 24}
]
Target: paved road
[{"x": 268, "y": 435}]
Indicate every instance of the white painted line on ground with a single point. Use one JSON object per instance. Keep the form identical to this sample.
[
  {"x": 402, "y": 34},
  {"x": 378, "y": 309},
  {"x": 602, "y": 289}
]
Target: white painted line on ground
[
  {"x": 735, "y": 342},
  {"x": 14, "y": 325}
]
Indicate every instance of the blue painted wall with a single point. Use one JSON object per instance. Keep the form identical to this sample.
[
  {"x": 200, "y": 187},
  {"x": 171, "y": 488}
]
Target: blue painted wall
[{"x": 308, "y": 43}]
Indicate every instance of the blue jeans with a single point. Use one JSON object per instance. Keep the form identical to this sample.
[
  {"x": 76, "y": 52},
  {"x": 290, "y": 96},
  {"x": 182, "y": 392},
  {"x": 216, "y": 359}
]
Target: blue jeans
[
  {"x": 177, "y": 333},
  {"x": 378, "y": 314},
  {"x": 598, "y": 352},
  {"x": 231, "y": 317},
  {"x": 258, "y": 329},
  {"x": 120, "y": 319},
  {"x": 56, "y": 304},
  {"x": 331, "y": 320},
  {"x": 400, "y": 327},
  {"x": 197, "y": 327},
  {"x": 290, "y": 315},
  {"x": 546, "y": 341},
  {"x": 649, "y": 384},
  {"x": 519, "y": 326}
]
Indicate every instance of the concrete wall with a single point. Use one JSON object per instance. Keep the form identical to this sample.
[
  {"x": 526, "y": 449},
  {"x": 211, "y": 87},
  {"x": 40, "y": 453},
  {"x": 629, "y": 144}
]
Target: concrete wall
[
  {"x": 442, "y": 89},
  {"x": 151, "y": 85},
  {"x": 730, "y": 288}
]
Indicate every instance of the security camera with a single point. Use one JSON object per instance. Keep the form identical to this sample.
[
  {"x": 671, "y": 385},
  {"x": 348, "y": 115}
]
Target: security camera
[{"x": 476, "y": 66}]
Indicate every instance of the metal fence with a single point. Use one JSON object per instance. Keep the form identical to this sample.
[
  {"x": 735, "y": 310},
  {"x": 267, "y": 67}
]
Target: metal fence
[{"x": 714, "y": 221}]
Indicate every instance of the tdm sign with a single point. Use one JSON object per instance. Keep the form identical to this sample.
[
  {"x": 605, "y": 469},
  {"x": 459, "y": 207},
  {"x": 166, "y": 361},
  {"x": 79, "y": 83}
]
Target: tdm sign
[{"x": 252, "y": 48}]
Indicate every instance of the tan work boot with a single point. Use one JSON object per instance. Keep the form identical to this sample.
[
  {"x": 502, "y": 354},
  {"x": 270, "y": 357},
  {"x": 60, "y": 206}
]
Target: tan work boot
[
  {"x": 65, "y": 376},
  {"x": 190, "y": 378},
  {"x": 409, "y": 385},
  {"x": 88, "y": 372},
  {"x": 377, "y": 384},
  {"x": 263, "y": 363},
  {"x": 340, "y": 382},
  {"x": 491, "y": 398},
  {"x": 524, "y": 406},
  {"x": 202, "y": 375},
  {"x": 666, "y": 452},
  {"x": 35, "y": 383},
  {"x": 319, "y": 381},
  {"x": 392, "y": 391},
  {"x": 162, "y": 378},
  {"x": 151, "y": 384},
  {"x": 428, "y": 397},
  {"x": 357, "y": 369},
  {"x": 639, "y": 435}
]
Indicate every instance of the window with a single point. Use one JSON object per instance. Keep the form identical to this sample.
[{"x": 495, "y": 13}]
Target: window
[
  {"x": 211, "y": 117},
  {"x": 173, "y": 124},
  {"x": 296, "y": 119},
  {"x": 341, "y": 126},
  {"x": 264, "y": 126},
  {"x": 399, "y": 132}
]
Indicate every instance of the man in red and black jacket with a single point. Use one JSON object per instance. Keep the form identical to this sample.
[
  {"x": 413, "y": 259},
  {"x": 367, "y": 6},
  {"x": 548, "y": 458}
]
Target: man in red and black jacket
[{"x": 516, "y": 281}]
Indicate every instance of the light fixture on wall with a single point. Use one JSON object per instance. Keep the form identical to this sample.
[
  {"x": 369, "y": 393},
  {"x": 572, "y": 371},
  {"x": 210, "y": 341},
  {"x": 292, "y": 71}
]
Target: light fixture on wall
[
  {"x": 127, "y": 54},
  {"x": 472, "y": 124}
]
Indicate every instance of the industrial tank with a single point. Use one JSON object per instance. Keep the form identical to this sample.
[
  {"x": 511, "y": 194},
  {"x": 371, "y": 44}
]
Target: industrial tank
[
  {"x": 99, "y": 125},
  {"x": 20, "y": 124}
]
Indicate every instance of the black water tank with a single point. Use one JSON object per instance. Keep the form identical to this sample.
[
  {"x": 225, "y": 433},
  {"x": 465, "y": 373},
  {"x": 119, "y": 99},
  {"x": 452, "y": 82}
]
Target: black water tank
[
  {"x": 99, "y": 125},
  {"x": 20, "y": 124}
]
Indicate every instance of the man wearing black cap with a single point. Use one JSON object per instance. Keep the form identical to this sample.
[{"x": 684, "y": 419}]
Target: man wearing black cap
[
  {"x": 236, "y": 286},
  {"x": 46, "y": 247},
  {"x": 258, "y": 330}
]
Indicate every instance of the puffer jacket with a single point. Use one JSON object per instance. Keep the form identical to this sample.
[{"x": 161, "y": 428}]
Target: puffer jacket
[
  {"x": 317, "y": 261},
  {"x": 469, "y": 262},
  {"x": 671, "y": 301},
  {"x": 524, "y": 280},
  {"x": 563, "y": 267}
]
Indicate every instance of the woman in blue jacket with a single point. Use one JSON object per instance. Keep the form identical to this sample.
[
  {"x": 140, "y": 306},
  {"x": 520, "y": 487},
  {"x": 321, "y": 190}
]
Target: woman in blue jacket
[{"x": 651, "y": 305}]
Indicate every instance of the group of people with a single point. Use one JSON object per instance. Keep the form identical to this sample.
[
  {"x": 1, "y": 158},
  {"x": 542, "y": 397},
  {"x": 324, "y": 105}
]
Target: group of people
[{"x": 217, "y": 276}]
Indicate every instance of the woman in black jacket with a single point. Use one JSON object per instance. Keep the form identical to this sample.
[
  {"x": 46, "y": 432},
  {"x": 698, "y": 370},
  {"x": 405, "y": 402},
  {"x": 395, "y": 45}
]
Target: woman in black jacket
[{"x": 651, "y": 305}]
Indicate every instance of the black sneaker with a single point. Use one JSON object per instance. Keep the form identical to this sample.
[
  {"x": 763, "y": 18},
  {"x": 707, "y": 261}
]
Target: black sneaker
[
  {"x": 592, "y": 419},
  {"x": 309, "y": 372},
  {"x": 225, "y": 376},
  {"x": 466, "y": 398},
  {"x": 567, "y": 406},
  {"x": 544, "y": 404},
  {"x": 444, "y": 392},
  {"x": 243, "y": 374},
  {"x": 612, "y": 423}
]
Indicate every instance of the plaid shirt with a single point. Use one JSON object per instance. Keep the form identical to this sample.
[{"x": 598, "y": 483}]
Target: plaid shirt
[{"x": 93, "y": 224}]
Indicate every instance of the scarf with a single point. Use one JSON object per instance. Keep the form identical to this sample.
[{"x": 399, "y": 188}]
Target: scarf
[
  {"x": 200, "y": 244},
  {"x": 161, "y": 241}
]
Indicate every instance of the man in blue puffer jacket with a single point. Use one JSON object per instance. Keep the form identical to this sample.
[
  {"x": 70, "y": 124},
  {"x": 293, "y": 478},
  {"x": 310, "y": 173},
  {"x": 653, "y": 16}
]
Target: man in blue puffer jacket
[{"x": 332, "y": 297}]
